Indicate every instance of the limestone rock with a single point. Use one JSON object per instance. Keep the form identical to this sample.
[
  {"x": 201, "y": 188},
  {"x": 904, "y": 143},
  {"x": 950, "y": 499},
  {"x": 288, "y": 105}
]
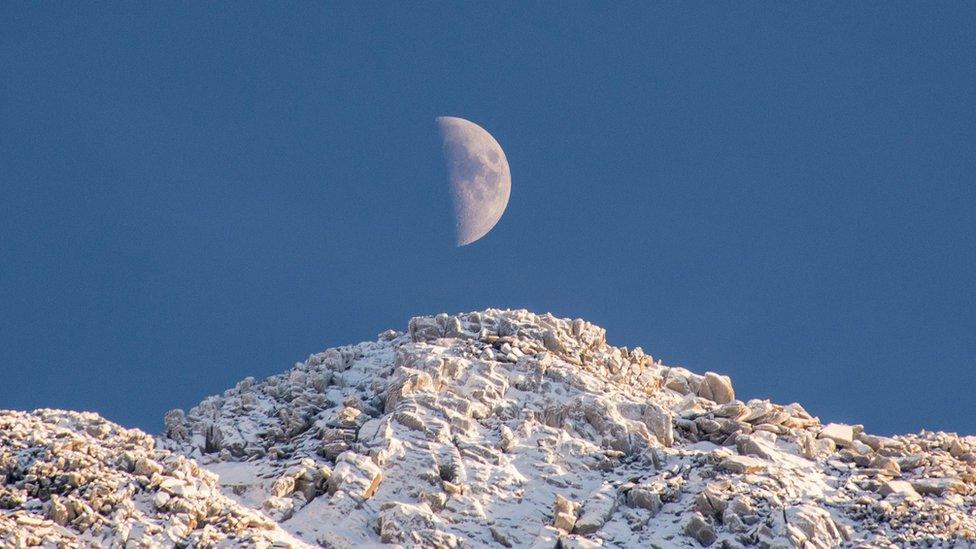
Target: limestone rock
[
  {"x": 597, "y": 509},
  {"x": 658, "y": 421},
  {"x": 899, "y": 489},
  {"x": 564, "y": 512},
  {"x": 355, "y": 474},
  {"x": 741, "y": 464},
  {"x": 481, "y": 429},
  {"x": 841, "y": 434},
  {"x": 699, "y": 529},
  {"x": 716, "y": 388}
]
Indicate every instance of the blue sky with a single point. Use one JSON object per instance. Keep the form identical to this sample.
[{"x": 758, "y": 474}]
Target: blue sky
[{"x": 194, "y": 193}]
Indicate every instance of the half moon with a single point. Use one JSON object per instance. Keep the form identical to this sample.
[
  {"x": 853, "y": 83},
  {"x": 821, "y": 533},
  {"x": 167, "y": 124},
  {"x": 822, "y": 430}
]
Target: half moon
[{"x": 481, "y": 181}]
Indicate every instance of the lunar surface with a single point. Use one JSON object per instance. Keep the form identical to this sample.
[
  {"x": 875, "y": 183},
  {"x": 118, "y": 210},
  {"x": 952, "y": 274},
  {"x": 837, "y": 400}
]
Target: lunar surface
[{"x": 480, "y": 178}]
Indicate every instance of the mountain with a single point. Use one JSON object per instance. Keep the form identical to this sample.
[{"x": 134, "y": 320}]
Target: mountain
[{"x": 491, "y": 428}]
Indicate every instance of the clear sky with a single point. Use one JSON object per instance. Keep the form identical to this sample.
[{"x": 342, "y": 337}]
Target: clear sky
[{"x": 192, "y": 193}]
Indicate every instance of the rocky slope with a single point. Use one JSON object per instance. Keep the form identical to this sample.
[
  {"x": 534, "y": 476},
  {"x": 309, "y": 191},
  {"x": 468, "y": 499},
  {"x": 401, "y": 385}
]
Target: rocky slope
[
  {"x": 492, "y": 428},
  {"x": 76, "y": 480}
]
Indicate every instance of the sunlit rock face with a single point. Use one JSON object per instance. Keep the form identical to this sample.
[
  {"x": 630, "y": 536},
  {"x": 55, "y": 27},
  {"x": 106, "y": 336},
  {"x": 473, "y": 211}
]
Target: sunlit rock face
[{"x": 490, "y": 428}]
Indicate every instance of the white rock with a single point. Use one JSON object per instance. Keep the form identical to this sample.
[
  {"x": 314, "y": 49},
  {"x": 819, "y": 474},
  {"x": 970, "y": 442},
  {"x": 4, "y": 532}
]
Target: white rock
[
  {"x": 898, "y": 489},
  {"x": 841, "y": 434},
  {"x": 597, "y": 509},
  {"x": 716, "y": 388}
]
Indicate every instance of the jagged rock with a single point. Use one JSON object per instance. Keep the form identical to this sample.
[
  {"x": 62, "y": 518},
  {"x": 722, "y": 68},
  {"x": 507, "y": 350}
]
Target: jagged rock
[
  {"x": 355, "y": 474},
  {"x": 658, "y": 421},
  {"x": 841, "y": 434},
  {"x": 481, "y": 429},
  {"x": 699, "y": 529},
  {"x": 597, "y": 510},
  {"x": 752, "y": 446},
  {"x": 886, "y": 465},
  {"x": 814, "y": 448},
  {"x": 741, "y": 464},
  {"x": 899, "y": 488},
  {"x": 938, "y": 486},
  {"x": 809, "y": 524},
  {"x": 60, "y": 513},
  {"x": 644, "y": 498},
  {"x": 716, "y": 388},
  {"x": 564, "y": 513},
  {"x": 710, "y": 503},
  {"x": 91, "y": 478}
]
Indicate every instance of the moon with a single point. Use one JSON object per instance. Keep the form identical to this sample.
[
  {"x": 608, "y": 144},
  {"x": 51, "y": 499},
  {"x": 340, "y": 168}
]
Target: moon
[{"x": 481, "y": 181}]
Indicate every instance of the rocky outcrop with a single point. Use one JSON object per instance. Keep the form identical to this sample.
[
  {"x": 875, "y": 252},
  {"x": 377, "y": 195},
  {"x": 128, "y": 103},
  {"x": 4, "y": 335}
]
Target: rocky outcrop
[
  {"x": 76, "y": 480},
  {"x": 507, "y": 428}
]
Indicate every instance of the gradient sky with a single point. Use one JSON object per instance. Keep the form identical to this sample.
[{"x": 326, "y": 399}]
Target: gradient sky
[{"x": 192, "y": 193}]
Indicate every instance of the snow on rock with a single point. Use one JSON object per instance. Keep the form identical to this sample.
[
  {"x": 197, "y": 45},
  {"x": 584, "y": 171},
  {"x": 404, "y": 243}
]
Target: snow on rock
[
  {"x": 506, "y": 428},
  {"x": 510, "y": 429},
  {"x": 76, "y": 480}
]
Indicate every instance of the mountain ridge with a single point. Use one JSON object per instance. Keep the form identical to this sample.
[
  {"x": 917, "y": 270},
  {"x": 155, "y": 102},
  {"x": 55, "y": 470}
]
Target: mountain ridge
[{"x": 494, "y": 428}]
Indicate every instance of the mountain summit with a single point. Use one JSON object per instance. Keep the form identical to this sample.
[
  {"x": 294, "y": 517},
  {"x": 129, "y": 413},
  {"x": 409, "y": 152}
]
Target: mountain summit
[{"x": 490, "y": 428}]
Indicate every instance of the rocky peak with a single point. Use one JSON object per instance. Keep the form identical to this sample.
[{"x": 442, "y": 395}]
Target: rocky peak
[{"x": 507, "y": 428}]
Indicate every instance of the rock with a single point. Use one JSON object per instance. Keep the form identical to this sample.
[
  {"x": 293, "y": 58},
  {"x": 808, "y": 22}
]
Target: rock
[
  {"x": 658, "y": 421},
  {"x": 699, "y": 529},
  {"x": 958, "y": 448},
  {"x": 507, "y": 439},
  {"x": 552, "y": 342},
  {"x": 817, "y": 524},
  {"x": 841, "y": 434},
  {"x": 716, "y": 388},
  {"x": 400, "y": 523},
  {"x": 644, "y": 498},
  {"x": 410, "y": 420},
  {"x": 860, "y": 447},
  {"x": 741, "y": 464},
  {"x": 815, "y": 448},
  {"x": 887, "y": 465},
  {"x": 88, "y": 475},
  {"x": 59, "y": 512},
  {"x": 355, "y": 474},
  {"x": 175, "y": 424},
  {"x": 160, "y": 500},
  {"x": 147, "y": 467},
  {"x": 757, "y": 411},
  {"x": 877, "y": 442},
  {"x": 424, "y": 329},
  {"x": 710, "y": 503},
  {"x": 938, "y": 486},
  {"x": 752, "y": 446},
  {"x": 597, "y": 509},
  {"x": 517, "y": 408},
  {"x": 578, "y": 542},
  {"x": 898, "y": 489},
  {"x": 564, "y": 513},
  {"x": 499, "y": 537}
]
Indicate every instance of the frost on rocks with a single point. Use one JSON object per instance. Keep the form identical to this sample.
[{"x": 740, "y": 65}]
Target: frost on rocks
[
  {"x": 76, "y": 480},
  {"x": 498, "y": 429}
]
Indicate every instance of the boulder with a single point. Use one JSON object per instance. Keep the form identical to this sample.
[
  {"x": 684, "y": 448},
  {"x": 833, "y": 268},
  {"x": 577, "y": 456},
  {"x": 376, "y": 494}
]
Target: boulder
[
  {"x": 841, "y": 434},
  {"x": 355, "y": 474},
  {"x": 597, "y": 510},
  {"x": 938, "y": 486},
  {"x": 564, "y": 513},
  {"x": 817, "y": 525},
  {"x": 658, "y": 421},
  {"x": 741, "y": 464},
  {"x": 700, "y": 530},
  {"x": 644, "y": 498},
  {"x": 898, "y": 489},
  {"x": 748, "y": 445},
  {"x": 716, "y": 388}
]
